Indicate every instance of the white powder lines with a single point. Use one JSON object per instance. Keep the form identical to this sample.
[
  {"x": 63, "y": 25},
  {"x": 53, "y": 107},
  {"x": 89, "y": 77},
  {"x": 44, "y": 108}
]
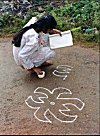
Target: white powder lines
[{"x": 54, "y": 103}]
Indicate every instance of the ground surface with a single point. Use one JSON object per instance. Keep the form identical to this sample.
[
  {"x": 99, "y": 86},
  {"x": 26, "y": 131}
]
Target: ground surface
[{"x": 16, "y": 85}]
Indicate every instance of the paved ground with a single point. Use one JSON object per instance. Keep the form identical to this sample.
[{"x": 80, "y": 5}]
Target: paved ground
[{"x": 16, "y": 85}]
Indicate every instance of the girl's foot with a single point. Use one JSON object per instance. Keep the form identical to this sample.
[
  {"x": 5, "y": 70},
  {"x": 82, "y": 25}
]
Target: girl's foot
[
  {"x": 41, "y": 74},
  {"x": 37, "y": 71}
]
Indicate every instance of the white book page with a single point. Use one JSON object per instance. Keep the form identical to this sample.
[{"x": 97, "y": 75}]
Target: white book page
[{"x": 57, "y": 41}]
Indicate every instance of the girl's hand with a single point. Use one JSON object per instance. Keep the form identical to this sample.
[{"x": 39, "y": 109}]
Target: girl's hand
[
  {"x": 55, "y": 31},
  {"x": 60, "y": 33}
]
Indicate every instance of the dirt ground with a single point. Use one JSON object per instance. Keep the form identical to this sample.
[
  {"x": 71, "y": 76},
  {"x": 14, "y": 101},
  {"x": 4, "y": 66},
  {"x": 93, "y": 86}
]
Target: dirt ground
[{"x": 16, "y": 85}]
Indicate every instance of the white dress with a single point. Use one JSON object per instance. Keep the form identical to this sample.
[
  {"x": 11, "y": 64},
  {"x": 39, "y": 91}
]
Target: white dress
[{"x": 31, "y": 53}]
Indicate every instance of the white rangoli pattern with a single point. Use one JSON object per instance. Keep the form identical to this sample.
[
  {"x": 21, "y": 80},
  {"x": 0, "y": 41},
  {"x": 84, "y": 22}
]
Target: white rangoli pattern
[
  {"x": 56, "y": 103},
  {"x": 62, "y": 71}
]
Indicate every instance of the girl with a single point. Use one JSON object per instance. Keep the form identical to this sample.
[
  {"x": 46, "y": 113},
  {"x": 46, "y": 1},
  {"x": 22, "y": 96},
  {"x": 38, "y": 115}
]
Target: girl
[{"x": 28, "y": 50}]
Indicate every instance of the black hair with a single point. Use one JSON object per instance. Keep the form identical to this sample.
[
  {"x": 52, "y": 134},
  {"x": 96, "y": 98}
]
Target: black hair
[
  {"x": 47, "y": 22},
  {"x": 43, "y": 24}
]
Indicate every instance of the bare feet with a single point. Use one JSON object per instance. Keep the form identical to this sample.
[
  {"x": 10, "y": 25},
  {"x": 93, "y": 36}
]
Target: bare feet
[
  {"x": 41, "y": 74},
  {"x": 37, "y": 70}
]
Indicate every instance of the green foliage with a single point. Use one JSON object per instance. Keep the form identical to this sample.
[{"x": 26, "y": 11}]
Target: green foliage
[
  {"x": 80, "y": 16},
  {"x": 80, "y": 13},
  {"x": 85, "y": 36},
  {"x": 10, "y": 21},
  {"x": 30, "y": 14},
  {"x": 1, "y": 22},
  {"x": 96, "y": 21}
]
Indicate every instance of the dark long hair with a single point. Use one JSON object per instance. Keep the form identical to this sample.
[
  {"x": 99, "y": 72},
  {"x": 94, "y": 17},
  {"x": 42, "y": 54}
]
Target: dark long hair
[{"x": 43, "y": 24}]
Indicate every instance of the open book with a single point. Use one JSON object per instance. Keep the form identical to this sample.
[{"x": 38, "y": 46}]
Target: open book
[{"x": 57, "y": 41}]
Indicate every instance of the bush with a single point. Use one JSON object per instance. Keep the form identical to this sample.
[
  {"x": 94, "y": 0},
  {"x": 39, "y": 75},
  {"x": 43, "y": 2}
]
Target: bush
[
  {"x": 78, "y": 16},
  {"x": 2, "y": 23}
]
